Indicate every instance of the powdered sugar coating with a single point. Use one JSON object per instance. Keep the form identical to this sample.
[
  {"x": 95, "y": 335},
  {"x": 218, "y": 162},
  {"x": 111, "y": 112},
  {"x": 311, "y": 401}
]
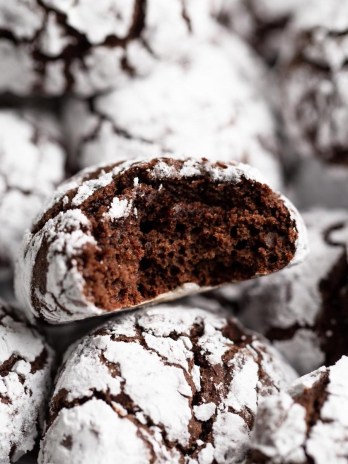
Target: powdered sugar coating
[
  {"x": 260, "y": 22},
  {"x": 300, "y": 308},
  {"x": 207, "y": 102},
  {"x": 182, "y": 385},
  {"x": 21, "y": 18},
  {"x": 32, "y": 163},
  {"x": 119, "y": 209},
  {"x": 61, "y": 295},
  {"x": 268, "y": 11},
  {"x": 86, "y": 47},
  {"x": 313, "y": 79},
  {"x": 288, "y": 430},
  {"x": 25, "y": 365}
]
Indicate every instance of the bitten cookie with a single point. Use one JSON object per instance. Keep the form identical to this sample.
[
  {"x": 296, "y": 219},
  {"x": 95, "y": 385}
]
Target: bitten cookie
[
  {"x": 125, "y": 234},
  {"x": 52, "y": 47},
  {"x": 307, "y": 425},
  {"x": 32, "y": 163},
  {"x": 208, "y": 101},
  {"x": 303, "y": 310},
  {"x": 25, "y": 374},
  {"x": 314, "y": 101},
  {"x": 260, "y": 22},
  {"x": 166, "y": 386}
]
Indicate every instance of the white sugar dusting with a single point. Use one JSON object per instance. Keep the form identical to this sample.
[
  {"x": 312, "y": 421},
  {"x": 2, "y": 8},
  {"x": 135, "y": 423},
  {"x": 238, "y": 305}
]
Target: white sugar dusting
[
  {"x": 209, "y": 101},
  {"x": 23, "y": 391},
  {"x": 204, "y": 412},
  {"x": 94, "y": 440},
  {"x": 260, "y": 22},
  {"x": 119, "y": 208},
  {"x": 313, "y": 77},
  {"x": 31, "y": 165},
  {"x": 89, "y": 187},
  {"x": 141, "y": 33},
  {"x": 282, "y": 433},
  {"x": 148, "y": 358},
  {"x": 68, "y": 233}
]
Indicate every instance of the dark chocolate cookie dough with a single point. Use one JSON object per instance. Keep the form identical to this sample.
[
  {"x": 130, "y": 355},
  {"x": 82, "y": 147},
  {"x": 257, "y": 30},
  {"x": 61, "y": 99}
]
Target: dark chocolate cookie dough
[
  {"x": 304, "y": 310},
  {"x": 122, "y": 235}
]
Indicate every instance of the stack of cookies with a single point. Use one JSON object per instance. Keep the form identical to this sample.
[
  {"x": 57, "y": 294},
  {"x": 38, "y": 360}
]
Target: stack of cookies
[{"x": 160, "y": 298}]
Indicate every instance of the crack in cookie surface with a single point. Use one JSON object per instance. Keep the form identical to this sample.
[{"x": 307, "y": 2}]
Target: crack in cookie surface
[
  {"x": 86, "y": 47},
  {"x": 25, "y": 375},
  {"x": 182, "y": 379},
  {"x": 306, "y": 424}
]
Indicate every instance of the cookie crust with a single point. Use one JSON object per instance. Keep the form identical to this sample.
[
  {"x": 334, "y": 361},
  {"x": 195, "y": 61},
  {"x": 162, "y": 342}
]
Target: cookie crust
[
  {"x": 25, "y": 375},
  {"x": 182, "y": 384},
  {"x": 123, "y": 235}
]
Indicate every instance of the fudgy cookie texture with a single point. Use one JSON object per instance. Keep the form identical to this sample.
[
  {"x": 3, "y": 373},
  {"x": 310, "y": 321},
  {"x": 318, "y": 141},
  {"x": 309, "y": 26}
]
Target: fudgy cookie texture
[
  {"x": 121, "y": 235},
  {"x": 208, "y": 101},
  {"x": 306, "y": 425},
  {"x": 32, "y": 163},
  {"x": 259, "y": 22},
  {"x": 167, "y": 385},
  {"x": 304, "y": 310},
  {"x": 52, "y": 47},
  {"x": 25, "y": 375}
]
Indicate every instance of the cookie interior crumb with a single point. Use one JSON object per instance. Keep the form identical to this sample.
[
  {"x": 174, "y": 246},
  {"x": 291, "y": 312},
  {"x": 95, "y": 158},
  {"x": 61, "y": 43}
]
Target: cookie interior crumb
[{"x": 168, "y": 232}]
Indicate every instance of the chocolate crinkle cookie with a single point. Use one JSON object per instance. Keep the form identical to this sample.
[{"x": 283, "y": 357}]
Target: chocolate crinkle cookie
[
  {"x": 121, "y": 235},
  {"x": 303, "y": 310},
  {"x": 306, "y": 425},
  {"x": 32, "y": 163},
  {"x": 260, "y": 22},
  {"x": 168, "y": 385},
  {"x": 52, "y": 47},
  {"x": 25, "y": 375},
  {"x": 209, "y": 100},
  {"x": 313, "y": 77},
  {"x": 314, "y": 102}
]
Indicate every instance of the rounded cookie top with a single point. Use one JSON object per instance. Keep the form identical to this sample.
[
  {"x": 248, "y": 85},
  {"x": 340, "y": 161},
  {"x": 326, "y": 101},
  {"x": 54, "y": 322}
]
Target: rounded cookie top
[
  {"x": 313, "y": 74},
  {"x": 125, "y": 234},
  {"x": 32, "y": 163},
  {"x": 307, "y": 425},
  {"x": 209, "y": 101},
  {"x": 164, "y": 385},
  {"x": 52, "y": 47},
  {"x": 25, "y": 371},
  {"x": 302, "y": 310}
]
